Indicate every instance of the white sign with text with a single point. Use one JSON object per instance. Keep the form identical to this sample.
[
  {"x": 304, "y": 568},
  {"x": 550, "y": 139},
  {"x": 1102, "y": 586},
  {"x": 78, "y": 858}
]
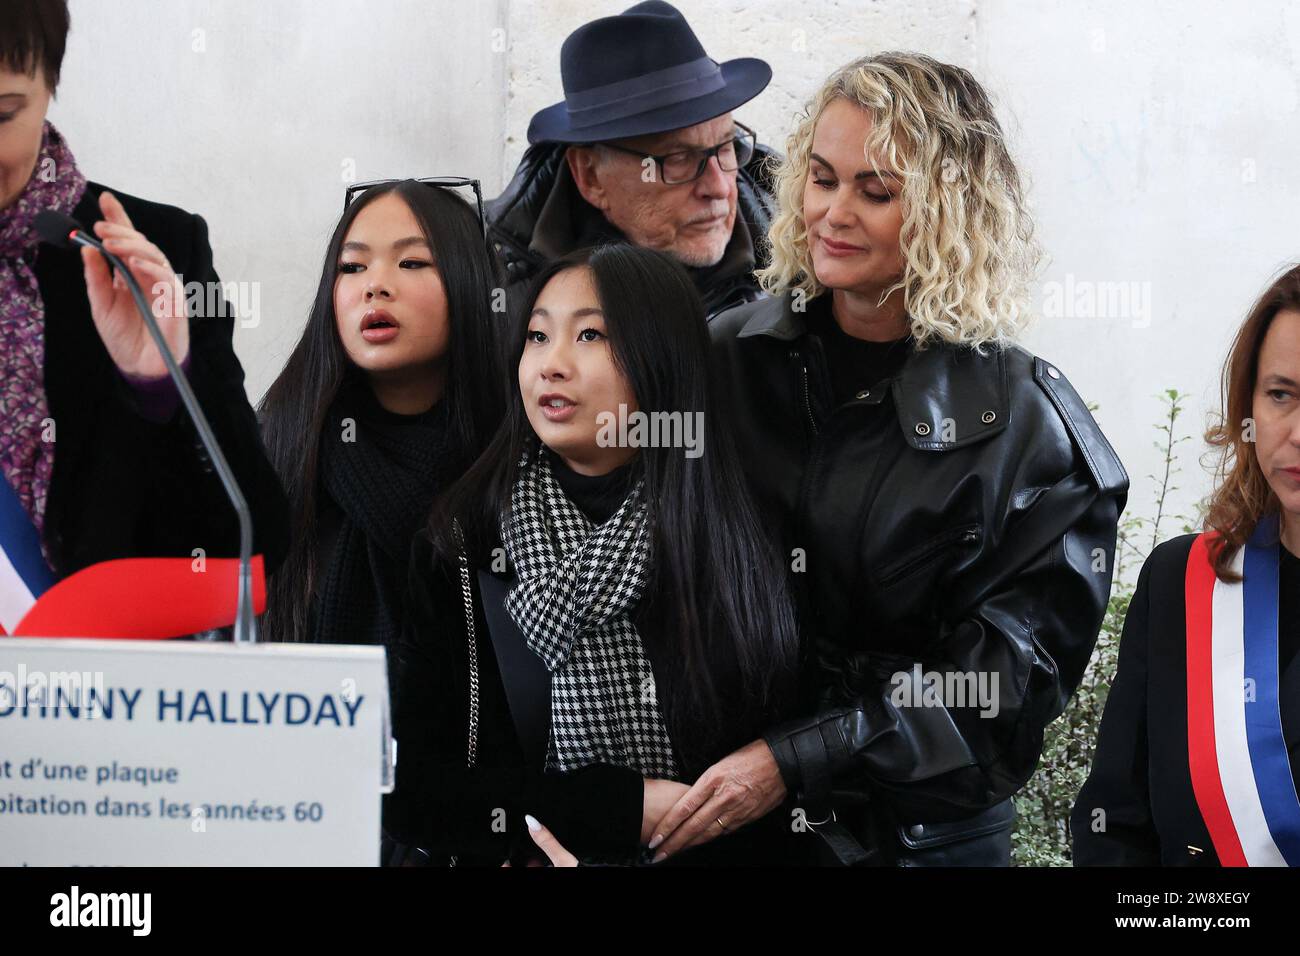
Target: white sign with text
[{"x": 152, "y": 753}]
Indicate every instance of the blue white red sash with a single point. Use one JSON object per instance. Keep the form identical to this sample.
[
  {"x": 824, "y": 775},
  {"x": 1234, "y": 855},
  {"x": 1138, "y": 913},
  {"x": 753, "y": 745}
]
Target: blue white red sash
[
  {"x": 1240, "y": 770},
  {"x": 24, "y": 575}
]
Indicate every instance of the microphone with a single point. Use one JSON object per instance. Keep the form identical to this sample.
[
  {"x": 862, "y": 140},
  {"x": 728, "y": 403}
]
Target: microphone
[{"x": 62, "y": 231}]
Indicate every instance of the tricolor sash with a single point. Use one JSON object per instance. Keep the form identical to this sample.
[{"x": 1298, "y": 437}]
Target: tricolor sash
[
  {"x": 1240, "y": 769},
  {"x": 24, "y": 575}
]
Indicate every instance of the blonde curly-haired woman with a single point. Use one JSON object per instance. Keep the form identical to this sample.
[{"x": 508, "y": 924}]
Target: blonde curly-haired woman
[{"x": 947, "y": 503}]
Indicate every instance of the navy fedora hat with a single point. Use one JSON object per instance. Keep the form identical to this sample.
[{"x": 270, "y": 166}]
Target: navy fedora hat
[{"x": 640, "y": 72}]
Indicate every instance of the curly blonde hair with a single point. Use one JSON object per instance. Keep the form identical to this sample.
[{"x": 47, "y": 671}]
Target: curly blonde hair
[{"x": 967, "y": 237}]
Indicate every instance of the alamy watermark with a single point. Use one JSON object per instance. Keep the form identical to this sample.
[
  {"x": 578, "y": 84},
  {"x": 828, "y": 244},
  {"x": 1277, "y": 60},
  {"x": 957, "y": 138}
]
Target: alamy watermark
[
  {"x": 978, "y": 689},
  {"x": 640, "y": 429},
  {"x": 127, "y": 910},
  {"x": 1088, "y": 299},
  {"x": 211, "y": 300},
  {"x": 74, "y": 690}
]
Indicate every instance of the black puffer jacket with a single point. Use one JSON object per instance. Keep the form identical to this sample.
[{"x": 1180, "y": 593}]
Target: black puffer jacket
[
  {"x": 960, "y": 516},
  {"x": 541, "y": 216}
]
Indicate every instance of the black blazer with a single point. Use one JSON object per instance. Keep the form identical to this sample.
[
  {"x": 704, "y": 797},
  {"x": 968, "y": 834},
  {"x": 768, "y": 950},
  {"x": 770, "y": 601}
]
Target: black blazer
[
  {"x": 123, "y": 486},
  {"x": 1140, "y": 776}
]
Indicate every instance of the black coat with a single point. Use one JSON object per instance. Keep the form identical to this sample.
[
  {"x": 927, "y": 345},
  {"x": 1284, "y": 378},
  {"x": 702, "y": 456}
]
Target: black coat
[
  {"x": 1140, "y": 775},
  {"x": 446, "y": 692},
  {"x": 445, "y": 808},
  {"x": 961, "y": 516},
  {"x": 123, "y": 486}
]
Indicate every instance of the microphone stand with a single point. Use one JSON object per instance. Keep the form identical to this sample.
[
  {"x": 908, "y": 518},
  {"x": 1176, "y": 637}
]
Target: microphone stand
[{"x": 245, "y": 622}]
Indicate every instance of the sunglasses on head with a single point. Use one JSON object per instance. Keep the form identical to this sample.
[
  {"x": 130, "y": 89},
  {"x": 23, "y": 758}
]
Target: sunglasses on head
[{"x": 439, "y": 182}]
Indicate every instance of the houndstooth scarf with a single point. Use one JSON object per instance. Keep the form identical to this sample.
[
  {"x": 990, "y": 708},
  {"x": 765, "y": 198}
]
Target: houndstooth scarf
[{"x": 577, "y": 583}]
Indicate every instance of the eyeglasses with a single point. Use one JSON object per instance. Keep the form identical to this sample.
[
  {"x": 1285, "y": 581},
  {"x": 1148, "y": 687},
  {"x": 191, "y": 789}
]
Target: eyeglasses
[
  {"x": 687, "y": 165},
  {"x": 441, "y": 182}
]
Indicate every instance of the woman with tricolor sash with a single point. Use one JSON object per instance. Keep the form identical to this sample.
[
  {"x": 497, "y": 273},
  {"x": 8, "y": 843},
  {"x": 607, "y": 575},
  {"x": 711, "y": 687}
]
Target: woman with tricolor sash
[{"x": 1199, "y": 746}]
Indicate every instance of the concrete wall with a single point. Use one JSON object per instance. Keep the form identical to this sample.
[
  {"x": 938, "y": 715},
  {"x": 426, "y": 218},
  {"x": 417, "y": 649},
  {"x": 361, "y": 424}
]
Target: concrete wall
[
  {"x": 1159, "y": 140},
  {"x": 255, "y": 114}
]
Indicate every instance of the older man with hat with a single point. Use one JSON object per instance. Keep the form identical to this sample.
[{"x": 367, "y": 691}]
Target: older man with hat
[{"x": 644, "y": 149}]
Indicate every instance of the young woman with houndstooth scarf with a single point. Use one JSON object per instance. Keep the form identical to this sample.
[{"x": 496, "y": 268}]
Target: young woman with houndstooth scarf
[{"x": 631, "y": 573}]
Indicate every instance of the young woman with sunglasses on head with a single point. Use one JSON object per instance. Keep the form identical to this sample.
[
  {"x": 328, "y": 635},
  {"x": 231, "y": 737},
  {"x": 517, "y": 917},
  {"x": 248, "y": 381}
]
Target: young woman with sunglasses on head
[
  {"x": 390, "y": 393},
  {"x": 629, "y": 618}
]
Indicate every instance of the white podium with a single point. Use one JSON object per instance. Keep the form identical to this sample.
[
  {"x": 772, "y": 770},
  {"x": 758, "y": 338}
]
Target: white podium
[{"x": 169, "y": 753}]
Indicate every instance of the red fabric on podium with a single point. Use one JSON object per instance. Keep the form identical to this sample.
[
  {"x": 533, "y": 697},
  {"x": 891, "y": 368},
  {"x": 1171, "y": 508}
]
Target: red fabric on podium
[{"x": 143, "y": 599}]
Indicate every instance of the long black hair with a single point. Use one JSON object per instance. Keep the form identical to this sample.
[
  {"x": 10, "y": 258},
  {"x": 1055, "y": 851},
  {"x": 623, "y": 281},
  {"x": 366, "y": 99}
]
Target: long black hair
[
  {"x": 295, "y": 408},
  {"x": 728, "y": 643}
]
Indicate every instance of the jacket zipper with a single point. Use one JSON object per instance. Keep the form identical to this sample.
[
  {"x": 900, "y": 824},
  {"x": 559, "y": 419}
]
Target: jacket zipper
[
  {"x": 807, "y": 399},
  {"x": 968, "y": 532},
  {"x": 814, "y": 459}
]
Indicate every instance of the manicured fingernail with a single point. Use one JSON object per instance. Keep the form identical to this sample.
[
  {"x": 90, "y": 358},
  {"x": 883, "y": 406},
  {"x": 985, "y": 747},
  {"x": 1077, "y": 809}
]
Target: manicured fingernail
[
  {"x": 532, "y": 822},
  {"x": 660, "y": 857},
  {"x": 658, "y": 838}
]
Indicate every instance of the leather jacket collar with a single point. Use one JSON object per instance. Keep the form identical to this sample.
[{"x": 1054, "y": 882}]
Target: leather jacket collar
[{"x": 947, "y": 396}]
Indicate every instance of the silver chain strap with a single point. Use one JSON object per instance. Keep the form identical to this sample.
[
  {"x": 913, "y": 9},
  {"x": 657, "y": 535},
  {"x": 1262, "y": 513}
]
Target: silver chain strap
[
  {"x": 467, "y": 595},
  {"x": 471, "y": 750}
]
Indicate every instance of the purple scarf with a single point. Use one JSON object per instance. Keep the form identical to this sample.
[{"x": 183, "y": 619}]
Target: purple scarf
[{"x": 25, "y": 459}]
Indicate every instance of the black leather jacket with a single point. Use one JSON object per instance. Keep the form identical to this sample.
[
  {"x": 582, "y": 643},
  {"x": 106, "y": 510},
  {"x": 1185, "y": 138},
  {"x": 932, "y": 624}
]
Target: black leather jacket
[
  {"x": 525, "y": 238},
  {"x": 961, "y": 516}
]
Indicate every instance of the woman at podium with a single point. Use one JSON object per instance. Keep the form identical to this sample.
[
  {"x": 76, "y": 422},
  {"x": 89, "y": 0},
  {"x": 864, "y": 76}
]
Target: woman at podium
[{"x": 97, "y": 458}]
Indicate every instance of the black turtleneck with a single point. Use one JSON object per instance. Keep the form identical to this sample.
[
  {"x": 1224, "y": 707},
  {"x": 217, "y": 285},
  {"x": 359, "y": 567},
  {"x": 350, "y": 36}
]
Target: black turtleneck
[
  {"x": 597, "y": 496},
  {"x": 853, "y": 364}
]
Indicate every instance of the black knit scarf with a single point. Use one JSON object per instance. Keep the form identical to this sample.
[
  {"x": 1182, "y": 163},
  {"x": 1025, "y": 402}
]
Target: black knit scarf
[{"x": 383, "y": 471}]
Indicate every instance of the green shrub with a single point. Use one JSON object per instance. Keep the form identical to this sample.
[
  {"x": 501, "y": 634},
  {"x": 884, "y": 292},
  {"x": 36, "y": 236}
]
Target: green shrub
[{"x": 1042, "y": 833}]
